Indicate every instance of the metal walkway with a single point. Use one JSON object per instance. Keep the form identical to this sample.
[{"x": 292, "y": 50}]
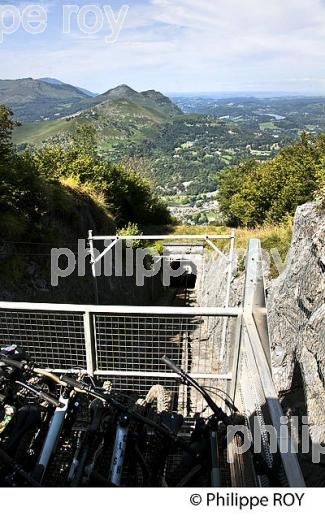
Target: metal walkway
[{"x": 126, "y": 343}]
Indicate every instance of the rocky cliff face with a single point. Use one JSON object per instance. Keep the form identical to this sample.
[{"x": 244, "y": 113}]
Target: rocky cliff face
[{"x": 296, "y": 305}]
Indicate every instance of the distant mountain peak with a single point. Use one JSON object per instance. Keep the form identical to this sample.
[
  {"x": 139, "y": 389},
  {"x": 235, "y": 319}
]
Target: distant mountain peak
[
  {"x": 54, "y": 81},
  {"x": 33, "y": 99},
  {"x": 50, "y": 98},
  {"x": 51, "y": 81},
  {"x": 159, "y": 99},
  {"x": 120, "y": 90},
  {"x": 150, "y": 99},
  {"x": 152, "y": 92},
  {"x": 155, "y": 94}
]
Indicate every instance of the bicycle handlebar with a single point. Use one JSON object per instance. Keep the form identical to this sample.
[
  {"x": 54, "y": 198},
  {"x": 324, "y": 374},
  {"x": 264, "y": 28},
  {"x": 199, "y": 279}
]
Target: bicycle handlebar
[
  {"x": 41, "y": 394},
  {"x": 219, "y": 413},
  {"x": 78, "y": 385},
  {"x": 24, "y": 366},
  {"x": 173, "y": 366},
  {"x": 21, "y": 365},
  {"x": 106, "y": 398}
]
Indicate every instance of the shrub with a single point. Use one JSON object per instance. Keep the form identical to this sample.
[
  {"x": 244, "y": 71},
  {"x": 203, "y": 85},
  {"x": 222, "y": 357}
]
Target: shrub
[{"x": 254, "y": 193}]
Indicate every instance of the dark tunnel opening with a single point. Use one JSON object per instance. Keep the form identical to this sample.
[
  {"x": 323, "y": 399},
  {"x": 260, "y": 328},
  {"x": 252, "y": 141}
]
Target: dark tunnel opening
[{"x": 185, "y": 280}]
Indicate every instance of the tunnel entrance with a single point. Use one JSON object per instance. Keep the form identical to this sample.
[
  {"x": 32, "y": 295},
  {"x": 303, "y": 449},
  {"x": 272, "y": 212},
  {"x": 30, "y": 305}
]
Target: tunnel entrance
[{"x": 186, "y": 280}]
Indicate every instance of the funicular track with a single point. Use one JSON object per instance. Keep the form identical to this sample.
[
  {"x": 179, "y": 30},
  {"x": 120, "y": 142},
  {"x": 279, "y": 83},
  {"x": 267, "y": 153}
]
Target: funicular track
[{"x": 225, "y": 348}]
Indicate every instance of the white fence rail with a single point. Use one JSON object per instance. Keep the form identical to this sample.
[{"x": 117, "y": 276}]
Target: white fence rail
[{"x": 122, "y": 343}]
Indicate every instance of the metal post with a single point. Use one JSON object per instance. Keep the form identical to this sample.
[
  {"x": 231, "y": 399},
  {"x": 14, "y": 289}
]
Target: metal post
[
  {"x": 90, "y": 343},
  {"x": 231, "y": 258},
  {"x": 227, "y": 298},
  {"x": 93, "y": 264},
  {"x": 235, "y": 357},
  {"x": 289, "y": 459}
]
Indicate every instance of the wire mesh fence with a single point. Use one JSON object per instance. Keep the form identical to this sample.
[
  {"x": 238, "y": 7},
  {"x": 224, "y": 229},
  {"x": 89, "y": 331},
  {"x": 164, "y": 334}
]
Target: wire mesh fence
[
  {"x": 124, "y": 347},
  {"x": 52, "y": 339}
]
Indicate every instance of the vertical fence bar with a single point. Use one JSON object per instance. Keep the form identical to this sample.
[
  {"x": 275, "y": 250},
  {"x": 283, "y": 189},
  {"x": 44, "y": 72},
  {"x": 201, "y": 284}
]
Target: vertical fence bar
[
  {"x": 93, "y": 265},
  {"x": 235, "y": 357},
  {"x": 227, "y": 297},
  {"x": 90, "y": 342}
]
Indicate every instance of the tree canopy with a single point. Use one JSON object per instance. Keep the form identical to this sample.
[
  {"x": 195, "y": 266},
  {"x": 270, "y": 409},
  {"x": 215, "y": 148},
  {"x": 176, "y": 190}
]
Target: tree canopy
[
  {"x": 254, "y": 193},
  {"x": 6, "y": 127}
]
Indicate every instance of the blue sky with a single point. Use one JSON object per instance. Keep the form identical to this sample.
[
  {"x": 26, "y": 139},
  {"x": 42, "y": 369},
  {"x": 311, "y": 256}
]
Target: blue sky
[{"x": 179, "y": 46}]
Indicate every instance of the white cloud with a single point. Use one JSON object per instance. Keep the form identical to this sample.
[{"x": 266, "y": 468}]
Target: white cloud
[{"x": 190, "y": 45}]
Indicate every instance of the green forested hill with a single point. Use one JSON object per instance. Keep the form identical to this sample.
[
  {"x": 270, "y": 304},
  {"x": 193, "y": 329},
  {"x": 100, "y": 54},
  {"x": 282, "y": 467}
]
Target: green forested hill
[
  {"x": 31, "y": 99},
  {"x": 119, "y": 116},
  {"x": 36, "y": 100},
  {"x": 150, "y": 100},
  {"x": 40, "y": 188},
  {"x": 167, "y": 146},
  {"x": 114, "y": 120},
  {"x": 178, "y": 153},
  {"x": 182, "y": 154}
]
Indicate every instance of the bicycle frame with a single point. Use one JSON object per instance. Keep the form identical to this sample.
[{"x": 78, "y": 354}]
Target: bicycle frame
[
  {"x": 119, "y": 449},
  {"x": 52, "y": 437},
  {"x": 84, "y": 444}
]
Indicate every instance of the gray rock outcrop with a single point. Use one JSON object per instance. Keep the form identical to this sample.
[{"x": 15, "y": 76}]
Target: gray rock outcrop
[{"x": 296, "y": 306}]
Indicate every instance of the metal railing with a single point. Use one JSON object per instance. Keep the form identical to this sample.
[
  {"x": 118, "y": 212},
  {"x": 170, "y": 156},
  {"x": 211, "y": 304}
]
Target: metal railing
[
  {"x": 111, "y": 242},
  {"x": 121, "y": 343},
  {"x": 252, "y": 385}
]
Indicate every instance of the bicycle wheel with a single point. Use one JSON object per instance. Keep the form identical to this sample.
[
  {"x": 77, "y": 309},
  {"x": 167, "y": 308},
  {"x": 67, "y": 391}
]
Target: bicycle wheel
[{"x": 159, "y": 395}]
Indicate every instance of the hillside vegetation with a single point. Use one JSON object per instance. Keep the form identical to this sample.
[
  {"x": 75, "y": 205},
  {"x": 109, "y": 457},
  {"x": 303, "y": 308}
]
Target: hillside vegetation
[
  {"x": 167, "y": 147},
  {"x": 58, "y": 190},
  {"x": 181, "y": 153},
  {"x": 256, "y": 193},
  {"x": 115, "y": 121}
]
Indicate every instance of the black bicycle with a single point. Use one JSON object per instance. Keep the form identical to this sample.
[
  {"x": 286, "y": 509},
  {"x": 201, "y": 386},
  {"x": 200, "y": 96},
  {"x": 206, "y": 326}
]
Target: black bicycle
[
  {"x": 121, "y": 440},
  {"x": 209, "y": 436}
]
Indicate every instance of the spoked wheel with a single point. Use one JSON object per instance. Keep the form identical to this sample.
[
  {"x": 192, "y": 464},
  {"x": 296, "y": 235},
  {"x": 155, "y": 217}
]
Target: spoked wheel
[{"x": 159, "y": 396}]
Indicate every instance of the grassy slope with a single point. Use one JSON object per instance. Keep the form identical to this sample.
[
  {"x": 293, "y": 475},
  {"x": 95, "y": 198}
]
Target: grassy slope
[
  {"x": 125, "y": 112},
  {"x": 25, "y": 267},
  {"x": 35, "y": 133},
  {"x": 272, "y": 238}
]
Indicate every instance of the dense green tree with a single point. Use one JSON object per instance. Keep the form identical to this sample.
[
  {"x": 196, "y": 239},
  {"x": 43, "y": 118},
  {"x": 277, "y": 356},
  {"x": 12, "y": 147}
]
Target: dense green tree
[
  {"x": 253, "y": 192},
  {"x": 128, "y": 194},
  {"x": 6, "y": 128},
  {"x": 84, "y": 138}
]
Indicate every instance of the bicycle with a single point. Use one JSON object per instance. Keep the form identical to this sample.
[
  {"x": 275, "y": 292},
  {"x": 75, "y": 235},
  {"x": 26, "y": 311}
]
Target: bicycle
[
  {"x": 161, "y": 428},
  {"x": 30, "y": 418},
  {"x": 204, "y": 439}
]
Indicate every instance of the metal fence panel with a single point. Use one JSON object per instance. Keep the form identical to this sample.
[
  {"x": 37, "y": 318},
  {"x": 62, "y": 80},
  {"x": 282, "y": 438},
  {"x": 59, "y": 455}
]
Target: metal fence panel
[
  {"x": 125, "y": 347},
  {"x": 52, "y": 339}
]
